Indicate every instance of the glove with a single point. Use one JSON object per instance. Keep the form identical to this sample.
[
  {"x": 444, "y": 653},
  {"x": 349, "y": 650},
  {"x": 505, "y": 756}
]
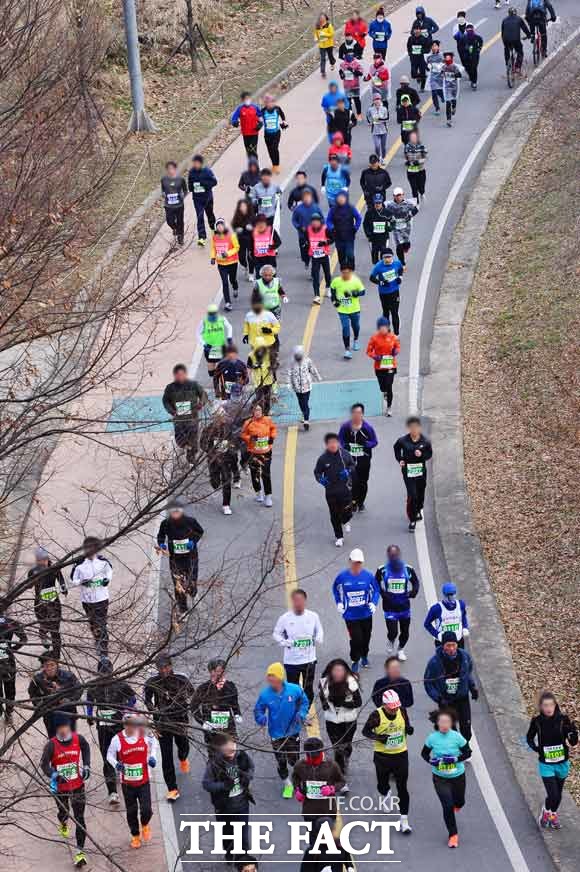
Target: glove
[
  {"x": 298, "y": 795},
  {"x": 336, "y": 304},
  {"x": 447, "y": 758},
  {"x": 152, "y": 762},
  {"x": 323, "y": 480},
  {"x": 120, "y": 767},
  {"x": 328, "y": 790},
  {"x": 284, "y": 125},
  {"x": 341, "y": 609},
  {"x": 54, "y": 781},
  {"x": 270, "y": 441},
  {"x": 163, "y": 546},
  {"x": 85, "y": 773},
  {"x": 343, "y": 475},
  {"x": 377, "y": 357},
  {"x": 212, "y": 261},
  {"x": 235, "y": 123},
  {"x": 372, "y": 608},
  {"x": 105, "y": 582},
  {"x": 85, "y": 583},
  {"x": 434, "y": 761},
  {"x": 410, "y": 730},
  {"x": 474, "y": 694},
  {"x": 238, "y": 719},
  {"x": 191, "y": 544},
  {"x": 285, "y": 299},
  {"x": 245, "y": 340},
  {"x": 465, "y": 633}
]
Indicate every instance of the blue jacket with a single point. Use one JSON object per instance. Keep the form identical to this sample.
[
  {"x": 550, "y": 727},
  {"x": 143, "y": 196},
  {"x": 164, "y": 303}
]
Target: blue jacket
[
  {"x": 387, "y": 276},
  {"x": 397, "y": 595},
  {"x": 200, "y": 182},
  {"x": 334, "y": 181},
  {"x": 383, "y": 27},
  {"x": 330, "y": 100},
  {"x": 283, "y": 713},
  {"x": 365, "y": 438},
  {"x": 435, "y": 680},
  {"x": 433, "y": 618},
  {"x": 355, "y": 593},
  {"x": 343, "y": 222},
  {"x": 302, "y": 215}
]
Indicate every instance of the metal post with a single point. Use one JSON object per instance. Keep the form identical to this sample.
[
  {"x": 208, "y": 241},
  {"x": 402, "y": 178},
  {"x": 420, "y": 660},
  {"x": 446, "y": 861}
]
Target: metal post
[{"x": 139, "y": 120}]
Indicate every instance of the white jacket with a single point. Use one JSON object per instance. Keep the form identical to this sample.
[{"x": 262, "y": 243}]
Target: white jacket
[
  {"x": 298, "y": 635},
  {"x": 339, "y": 715},
  {"x": 95, "y": 570}
]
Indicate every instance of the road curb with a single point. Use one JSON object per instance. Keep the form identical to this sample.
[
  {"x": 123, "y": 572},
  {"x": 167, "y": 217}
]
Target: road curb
[{"x": 442, "y": 405}]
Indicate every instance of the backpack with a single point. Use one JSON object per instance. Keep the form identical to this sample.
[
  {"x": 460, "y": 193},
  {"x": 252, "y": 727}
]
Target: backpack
[{"x": 537, "y": 6}]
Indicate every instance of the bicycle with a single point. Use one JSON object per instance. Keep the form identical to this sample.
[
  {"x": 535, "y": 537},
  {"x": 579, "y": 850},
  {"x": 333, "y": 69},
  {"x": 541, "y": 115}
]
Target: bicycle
[
  {"x": 510, "y": 67},
  {"x": 537, "y": 48}
]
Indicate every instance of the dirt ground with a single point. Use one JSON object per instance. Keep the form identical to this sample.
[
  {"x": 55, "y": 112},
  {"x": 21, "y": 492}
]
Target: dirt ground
[{"x": 520, "y": 394}]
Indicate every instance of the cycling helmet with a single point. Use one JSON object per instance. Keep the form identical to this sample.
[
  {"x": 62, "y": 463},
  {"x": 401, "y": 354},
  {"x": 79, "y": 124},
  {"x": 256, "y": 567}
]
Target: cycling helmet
[
  {"x": 391, "y": 699},
  {"x": 512, "y": 10}
]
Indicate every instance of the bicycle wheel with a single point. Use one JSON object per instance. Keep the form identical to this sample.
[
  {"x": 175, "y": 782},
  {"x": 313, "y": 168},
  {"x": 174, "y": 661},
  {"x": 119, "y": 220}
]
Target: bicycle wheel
[
  {"x": 537, "y": 51},
  {"x": 509, "y": 71}
]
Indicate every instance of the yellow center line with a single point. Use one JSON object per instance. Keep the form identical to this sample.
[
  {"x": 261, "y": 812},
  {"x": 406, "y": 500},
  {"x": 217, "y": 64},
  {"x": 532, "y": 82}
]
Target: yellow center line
[{"x": 288, "y": 538}]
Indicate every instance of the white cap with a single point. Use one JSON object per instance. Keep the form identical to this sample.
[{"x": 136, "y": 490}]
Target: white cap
[
  {"x": 397, "y": 191},
  {"x": 356, "y": 556}
]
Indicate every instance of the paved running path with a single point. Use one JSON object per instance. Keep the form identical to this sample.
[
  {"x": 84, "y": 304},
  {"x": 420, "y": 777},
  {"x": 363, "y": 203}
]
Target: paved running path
[{"x": 191, "y": 283}]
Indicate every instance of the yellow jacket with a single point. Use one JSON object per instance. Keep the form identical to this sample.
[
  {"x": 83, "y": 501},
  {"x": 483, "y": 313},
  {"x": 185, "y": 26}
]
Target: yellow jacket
[
  {"x": 324, "y": 36},
  {"x": 254, "y": 325}
]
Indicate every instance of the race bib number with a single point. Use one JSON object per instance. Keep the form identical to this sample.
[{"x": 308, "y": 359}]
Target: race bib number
[
  {"x": 172, "y": 199},
  {"x": 379, "y": 36},
  {"x": 220, "y": 719},
  {"x": 236, "y": 789},
  {"x": 106, "y": 714},
  {"x": 314, "y": 789},
  {"x": 271, "y": 124},
  {"x": 450, "y": 627},
  {"x": 198, "y": 188},
  {"x": 417, "y": 49},
  {"x": 181, "y": 546},
  {"x": 389, "y": 275},
  {"x": 266, "y": 202},
  {"x": 554, "y": 753},
  {"x": 378, "y": 82},
  {"x": 357, "y": 598},
  {"x": 302, "y": 643},
  {"x": 261, "y": 250},
  {"x": 451, "y": 685},
  {"x": 348, "y": 75},
  {"x": 356, "y": 450},
  {"x": 318, "y": 252},
  {"x": 228, "y": 385},
  {"x": 401, "y": 223},
  {"x": 262, "y": 443},
  {"x": 396, "y": 585},
  {"x": 448, "y": 768},
  {"x": 387, "y": 361},
  {"x": 183, "y": 407},
  {"x": 414, "y": 470},
  {"x": 133, "y": 773},
  {"x": 395, "y": 740},
  {"x": 215, "y": 353},
  {"x": 4, "y": 651},
  {"x": 408, "y": 124},
  {"x": 379, "y": 226},
  {"x": 68, "y": 771},
  {"x": 48, "y": 594},
  {"x": 96, "y": 582}
]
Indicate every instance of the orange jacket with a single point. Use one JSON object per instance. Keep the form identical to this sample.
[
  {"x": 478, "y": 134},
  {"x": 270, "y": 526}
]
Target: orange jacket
[
  {"x": 255, "y": 431},
  {"x": 383, "y": 346}
]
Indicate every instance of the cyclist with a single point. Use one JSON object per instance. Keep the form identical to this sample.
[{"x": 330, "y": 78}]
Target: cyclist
[
  {"x": 511, "y": 28},
  {"x": 536, "y": 15}
]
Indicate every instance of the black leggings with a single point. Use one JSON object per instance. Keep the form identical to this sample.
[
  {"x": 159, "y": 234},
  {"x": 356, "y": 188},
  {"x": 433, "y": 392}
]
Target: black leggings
[
  {"x": 450, "y": 107},
  {"x": 105, "y": 734},
  {"x": 417, "y": 182},
  {"x": 554, "y": 789},
  {"x": 360, "y": 483},
  {"x": 246, "y": 252},
  {"x": 357, "y": 103},
  {"x": 306, "y": 671},
  {"x": 272, "y": 141},
  {"x": 385, "y": 380},
  {"x": 221, "y": 474},
  {"x": 402, "y": 249},
  {"x": 7, "y": 692},
  {"x": 317, "y": 264},
  {"x": 396, "y": 765},
  {"x": 137, "y": 805},
  {"x": 260, "y": 471},
  {"x": 415, "y": 495},
  {"x": 49, "y": 616},
  {"x": 451, "y": 793},
  {"x": 251, "y": 144},
  {"x": 229, "y": 275},
  {"x": 360, "y": 637},
  {"x": 174, "y": 218},
  {"x": 399, "y": 628},
  {"x": 340, "y": 513},
  {"x": 341, "y": 736},
  {"x": 419, "y": 70},
  {"x": 73, "y": 802},
  {"x": 378, "y": 246},
  {"x": 287, "y": 753},
  {"x": 166, "y": 746},
  {"x": 390, "y": 305},
  {"x": 97, "y": 614}
]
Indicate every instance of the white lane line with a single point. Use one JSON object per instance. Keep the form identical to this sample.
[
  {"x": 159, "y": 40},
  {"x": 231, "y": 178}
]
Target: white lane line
[
  {"x": 479, "y": 23},
  {"x": 487, "y": 788}
]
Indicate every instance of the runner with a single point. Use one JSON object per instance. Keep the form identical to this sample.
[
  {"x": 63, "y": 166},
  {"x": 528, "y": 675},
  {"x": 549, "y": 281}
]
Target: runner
[
  {"x": 319, "y": 243},
  {"x": 224, "y": 251},
  {"x": 389, "y": 727},
  {"x": 295, "y": 197},
  {"x": 512, "y": 28},
  {"x": 173, "y": 191},
  {"x": 343, "y": 222},
  {"x": 300, "y": 375},
  {"x": 227, "y": 778},
  {"x": 536, "y": 15},
  {"x": 551, "y": 734},
  {"x": 446, "y": 750},
  {"x": 356, "y": 595},
  {"x": 106, "y": 701},
  {"x": 168, "y": 696},
  {"x": 358, "y": 437},
  {"x": 178, "y": 536},
  {"x": 334, "y": 470},
  {"x": 401, "y": 211},
  {"x": 49, "y": 586},
  {"x": 324, "y": 38},
  {"x": 269, "y": 291},
  {"x": 418, "y": 46},
  {"x": 243, "y": 226},
  {"x": 459, "y": 34},
  {"x": 349, "y": 45},
  {"x": 274, "y": 124},
  {"x": 380, "y": 31},
  {"x": 248, "y": 117},
  {"x": 66, "y": 760},
  {"x": 230, "y": 375},
  {"x": 374, "y": 180},
  {"x": 376, "y": 227},
  {"x": 449, "y": 680},
  {"x": 220, "y": 444},
  {"x": 398, "y": 584},
  {"x": 54, "y": 691},
  {"x": 341, "y": 124},
  {"x": 378, "y": 117},
  {"x": 282, "y": 707},
  {"x": 351, "y": 72},
  {"x": 341, "y": 701},
  {"x": 8, "y": 647},
  {"x": 302, "y": 215},
  {"x": 265, "y": 196},
  {"x": 388, "y": 274},
  {"x": 415, "y": 159},
  {"x": 298, "y": 631},
  {"x": 317, "y": 782},
  {"x": 451, "y": 76},
  {"x": 215, "y": 332},
  {"x": 435, "y": 64},
  {"x": 261, "y": 363},
  {"x": 250, "y": 176},
  {"x": 182, "y": 400},
  {"x": 266, "y": 243},
  {"x": 393, "y": 680},
  {"x": 259, "y": 433},
  {"x": 427, "y": 25},
  {"x": 132, "y": 753},
  {"x": 412, "y": 451},
  {"x": 93, "y": 573},
  {"x": 357, "y": 28},
  {"x": 335, "y": 178},
  {"x": 380, "y": 78},
  {"x": 201, "y": 181},
  {"x": 215, "y": 705},
  {"x": 469, "y": 46},
  {"x": 448, "y": 614},
  {"x": 408, "y": 116}
]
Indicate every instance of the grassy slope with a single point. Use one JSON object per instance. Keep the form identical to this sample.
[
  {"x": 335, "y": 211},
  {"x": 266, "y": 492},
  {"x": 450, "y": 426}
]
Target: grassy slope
[{"x": 521, "y": 402}]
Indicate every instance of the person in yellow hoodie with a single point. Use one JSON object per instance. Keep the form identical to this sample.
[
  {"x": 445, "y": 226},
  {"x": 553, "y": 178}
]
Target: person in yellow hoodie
[
  {"x": 262, "y": 372},
  {"x": 224, "y": 251},
  {"x": 261, "y": 323},
  {"x": 324, "y": 38}
]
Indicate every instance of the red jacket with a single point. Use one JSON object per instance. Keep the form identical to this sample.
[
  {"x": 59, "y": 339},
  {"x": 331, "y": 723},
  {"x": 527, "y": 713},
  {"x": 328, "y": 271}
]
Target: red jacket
[
  {"x": 343, "y": 152},
  {"x": 358, "y": 29},
  {"x": 249, "y": 119}
]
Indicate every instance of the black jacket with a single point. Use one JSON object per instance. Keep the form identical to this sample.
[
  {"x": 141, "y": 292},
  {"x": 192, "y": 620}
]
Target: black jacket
[
  {"x": 106, "y": 702},
  {"x": 208, "y": 697},
  {"x": 47, "y": 578},
  {"x": 374, "y": 182},
  {"x": 295, "y": 195},
  {"x": 356, "y": 50},
  {"x": 342, "y": 121},
  {"x": 174, "y": 191},
  {"x": 512, "y": 28},
  {"x": 402, "y": 686},
  {"x": 201, "y": 182},
  {"x": 405, "y": 448},
  {"x": 221, "y": 776},
  {"x": 330, "y": 466},
  {"x": 545, "y": 732},
  {"x": 184, "y": 528},
  {"x": 410, "y": 92},
  {"x": 188, "y": 392},
  {"x": 58, "y": 693},
  {"x": 248, "y": 179},
  {"x": 168, "y": 698},
  {"x": 8, "y": 645},
  {"x": 371, "y": 215}
]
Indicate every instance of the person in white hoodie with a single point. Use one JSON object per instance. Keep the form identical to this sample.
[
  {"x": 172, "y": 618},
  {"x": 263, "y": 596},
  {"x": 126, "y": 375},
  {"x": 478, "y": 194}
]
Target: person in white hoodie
[
  {"x": 298, "y": 631},
  {"x": 93, "y": 574},
  {"x": 341, "y": 699}
]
